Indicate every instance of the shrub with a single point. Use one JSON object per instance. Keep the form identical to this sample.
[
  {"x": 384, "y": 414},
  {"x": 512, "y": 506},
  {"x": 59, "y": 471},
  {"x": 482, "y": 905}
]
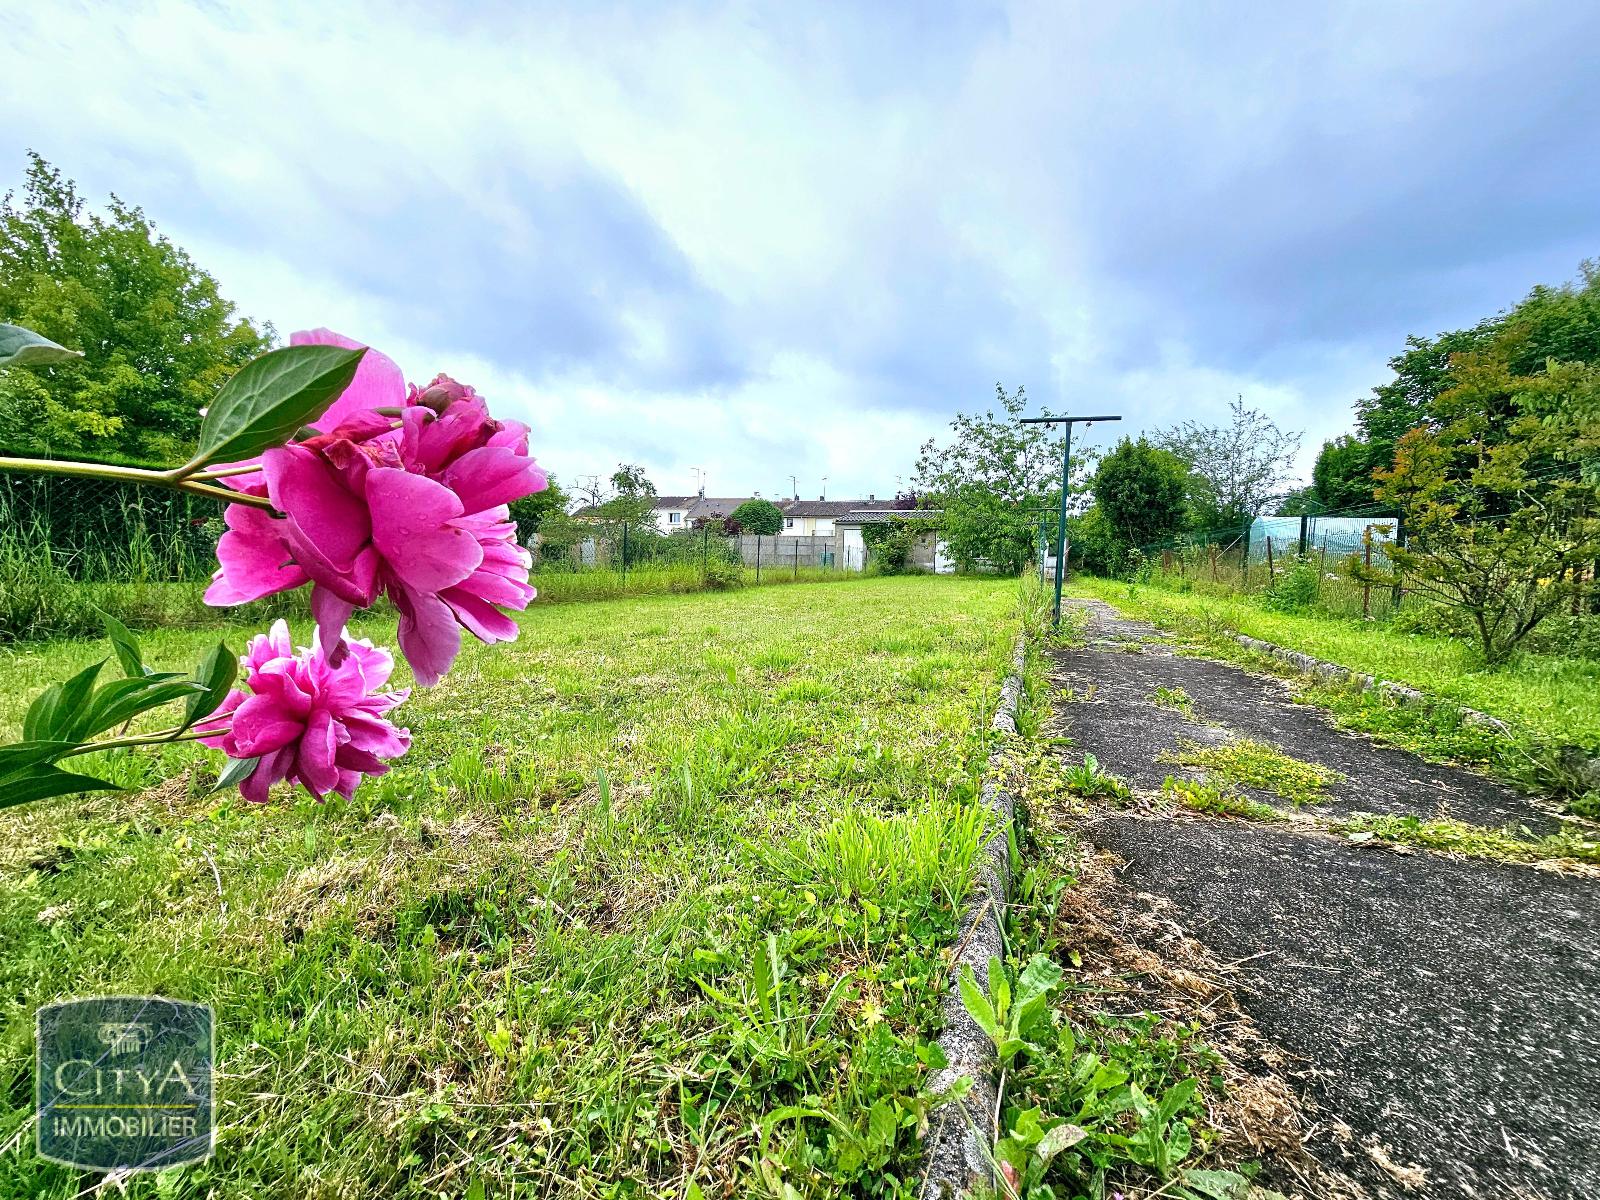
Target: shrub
[
  {"x": 721, "y": 575},
  {"x": 758, "y": 516},
  {"x": 1295, "y": 589},
  {"x": 891, "y": 543}
]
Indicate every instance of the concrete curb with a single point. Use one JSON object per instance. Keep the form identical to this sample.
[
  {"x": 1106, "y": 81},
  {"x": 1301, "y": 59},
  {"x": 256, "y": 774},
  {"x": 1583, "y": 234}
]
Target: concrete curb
[
  {"x": 1398, "y": 692},
  {"x": 958, "y": 1155},
  {"x": 1585, "y": 766}
]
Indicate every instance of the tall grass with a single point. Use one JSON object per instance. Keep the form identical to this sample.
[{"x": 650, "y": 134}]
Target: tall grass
[
  {"x": 46, "y": 592},
  {"x": 604, "y": 583}
]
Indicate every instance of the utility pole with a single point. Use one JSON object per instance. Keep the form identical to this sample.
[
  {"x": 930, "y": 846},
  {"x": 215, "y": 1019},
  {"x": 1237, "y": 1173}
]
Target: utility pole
[{"x": 1066, "y": 477}]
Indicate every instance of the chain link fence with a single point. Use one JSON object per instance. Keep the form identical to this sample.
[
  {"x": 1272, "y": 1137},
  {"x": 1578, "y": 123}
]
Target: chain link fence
[
  {"x": 1297, "y": 561},
  {"x": 101, "y": 530}
]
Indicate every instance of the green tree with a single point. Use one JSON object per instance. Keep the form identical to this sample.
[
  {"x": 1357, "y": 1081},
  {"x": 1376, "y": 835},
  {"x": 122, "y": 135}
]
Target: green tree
[
  {"x": 157, "y": 337},
  {"x": 632, "y": 501},
  {"x": 996, "y": 481},
  {"x": 1092, "y": 546},
  {"x": 530, "y": 512},
  {"x": 1554, "y": 324},
  {"x": 1500, "y": 491},
  {"x": 1421, "y": 375},
  {"x": 1142, "y": 492},
  {"x": 891, "y": 543},
  {"x": 1340, "y": 479},
  {"x": 1342, "y": 475},
  {"x": 1236, "y": 470},
  {"x": 761, "y": 517}
]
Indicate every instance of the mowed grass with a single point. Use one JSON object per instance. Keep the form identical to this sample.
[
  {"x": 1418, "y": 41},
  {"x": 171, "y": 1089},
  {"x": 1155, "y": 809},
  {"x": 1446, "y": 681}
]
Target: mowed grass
[
  {"x": 1555, "y": 700},
  {"x": 659, "y": 901}
]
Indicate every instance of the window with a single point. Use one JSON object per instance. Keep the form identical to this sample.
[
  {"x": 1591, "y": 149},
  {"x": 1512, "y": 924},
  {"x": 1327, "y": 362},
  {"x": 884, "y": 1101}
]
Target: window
[
  {"x": 788, "y": 522},
  {"x": 674, "y": 518}
]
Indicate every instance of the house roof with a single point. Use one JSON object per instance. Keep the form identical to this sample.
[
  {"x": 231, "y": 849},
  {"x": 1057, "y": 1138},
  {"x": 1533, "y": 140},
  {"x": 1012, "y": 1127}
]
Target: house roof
[
  {"x": 703, "y": 506},
  {"x": 874, "y": 516},
  {"x": 817, "y": 508}
]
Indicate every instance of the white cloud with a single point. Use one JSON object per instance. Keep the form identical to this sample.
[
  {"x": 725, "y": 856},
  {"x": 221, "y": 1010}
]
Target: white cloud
[{"x": 796, "y": 239}]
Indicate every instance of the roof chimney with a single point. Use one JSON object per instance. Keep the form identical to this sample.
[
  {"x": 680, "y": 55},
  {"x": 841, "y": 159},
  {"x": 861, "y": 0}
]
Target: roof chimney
[{"x": 870, "y": 496}]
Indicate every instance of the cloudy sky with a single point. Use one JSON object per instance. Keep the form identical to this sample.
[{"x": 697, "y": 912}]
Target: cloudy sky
[{"x": 794, "y": 238}]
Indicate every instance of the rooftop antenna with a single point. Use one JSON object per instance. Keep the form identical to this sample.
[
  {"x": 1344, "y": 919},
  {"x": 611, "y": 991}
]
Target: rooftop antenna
[
  {"x": 794, "y": 487},
  {"x": 700, "y": 476},
  {"x": 824, "y": 487}
]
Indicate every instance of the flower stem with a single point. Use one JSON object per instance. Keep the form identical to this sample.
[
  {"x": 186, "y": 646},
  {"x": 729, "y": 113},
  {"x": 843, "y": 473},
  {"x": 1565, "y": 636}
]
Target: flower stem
[
  {"x": 225, "y": 472},
  {"x": 167, "y": 479},
  {"x": 175, "y": 734}
]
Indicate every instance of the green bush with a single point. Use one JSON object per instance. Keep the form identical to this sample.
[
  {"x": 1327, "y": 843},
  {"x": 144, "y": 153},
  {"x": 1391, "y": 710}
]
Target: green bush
[
  {"x": 722, "y": 575},
  {"x": 890, "y": 544},
  {"x": 1295, "y": 588}
]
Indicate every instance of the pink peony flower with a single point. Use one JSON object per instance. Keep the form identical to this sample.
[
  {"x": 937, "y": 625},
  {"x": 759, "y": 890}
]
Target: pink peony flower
[
  {"x": 307, "y": 719},
  {"x": 415, "y": 508}
]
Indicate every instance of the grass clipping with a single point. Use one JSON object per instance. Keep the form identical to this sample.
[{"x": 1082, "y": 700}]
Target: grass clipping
[{"x": 1136, "y": 958}]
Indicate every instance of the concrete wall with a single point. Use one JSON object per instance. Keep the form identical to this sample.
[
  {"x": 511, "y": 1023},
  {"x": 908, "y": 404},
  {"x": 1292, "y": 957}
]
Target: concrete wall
[{"x": 785, "y": 550}]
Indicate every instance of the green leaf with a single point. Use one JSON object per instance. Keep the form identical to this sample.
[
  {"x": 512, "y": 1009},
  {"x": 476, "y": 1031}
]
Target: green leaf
[
  {"x": 18, "y": 755},
  {"x": 126, "y": 646},
  {"x": 1218, "y": 1185},
  {"x": 124, "y": 699},
  {"x": 215, "y": 674},
  {"x": 1039, "y": 978},
  {"x": 271, "y": 397},
  {"x": 978, "y": 1006},
  {"x": 881, "y": 1124},
  {"x": 1178, "y": 1144},
  {"x": 1027, "y": 1128},
  {"x": 1062, "y": 1137},
  {"x": 59, "y": 706},
  {"x": 1177, "y": 1098},
  {"x": 234, "y": 773},
  {"x": 1013, "y": 1153},
  {"x": 762, "y": 972},
  {"x": 21, "y": 347},
  {"x": 42, "y": 781},
  {"x": 999, "y": 987},
  {"x": 1107, "y": 1076}
]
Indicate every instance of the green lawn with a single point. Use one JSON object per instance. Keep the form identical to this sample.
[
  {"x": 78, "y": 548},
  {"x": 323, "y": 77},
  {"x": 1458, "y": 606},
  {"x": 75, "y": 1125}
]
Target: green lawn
[
  {"x": 1553, "y": 700},
  {"x": 527, "y": 957}
]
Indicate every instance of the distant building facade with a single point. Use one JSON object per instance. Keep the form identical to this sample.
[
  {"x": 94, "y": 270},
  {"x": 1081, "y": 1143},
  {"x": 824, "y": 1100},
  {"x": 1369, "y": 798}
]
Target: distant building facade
[{"x": 801, "y": 518}]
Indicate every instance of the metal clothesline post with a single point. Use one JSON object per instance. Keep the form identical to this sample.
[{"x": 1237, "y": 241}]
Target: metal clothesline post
[{"x": 1066, "y": 476}]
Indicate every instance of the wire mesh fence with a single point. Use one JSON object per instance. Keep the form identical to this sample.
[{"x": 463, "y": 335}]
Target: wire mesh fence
[
  {"x": 101, "y": 530},
  {"x": 1317, "y": 570},
  {"x": 73, "y": 549}
]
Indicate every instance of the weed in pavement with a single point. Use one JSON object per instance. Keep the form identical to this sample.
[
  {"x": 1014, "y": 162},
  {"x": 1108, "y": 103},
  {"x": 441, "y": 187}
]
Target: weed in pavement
[
  {"x": 1207, "y": 797},
  {"x": 1246, "y": 762},
  {"x": 1571, "y": 844}
]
